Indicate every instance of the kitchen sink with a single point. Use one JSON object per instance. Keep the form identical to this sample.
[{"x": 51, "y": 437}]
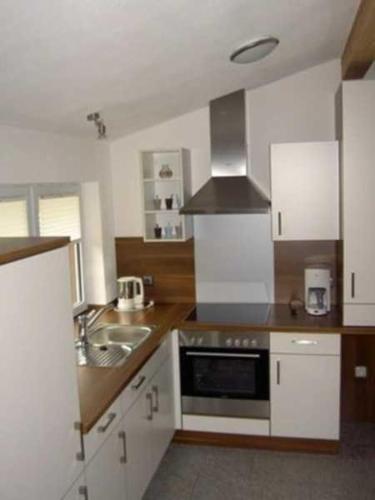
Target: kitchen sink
[
  {"x": 124, "y": 336},
  {"x": 106, "y": 356}
]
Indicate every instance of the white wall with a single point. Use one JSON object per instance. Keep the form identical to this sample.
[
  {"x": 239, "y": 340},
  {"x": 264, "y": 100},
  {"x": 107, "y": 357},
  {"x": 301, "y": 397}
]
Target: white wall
[
  {"x": 28, "y": 156},
  {"x": 190, "y": 131},
  {"x": 297, "y": 108}
]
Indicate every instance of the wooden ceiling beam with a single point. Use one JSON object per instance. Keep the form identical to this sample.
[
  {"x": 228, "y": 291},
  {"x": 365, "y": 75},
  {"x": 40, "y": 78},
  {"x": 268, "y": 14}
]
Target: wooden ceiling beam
[{"x": 359, "y": 52}]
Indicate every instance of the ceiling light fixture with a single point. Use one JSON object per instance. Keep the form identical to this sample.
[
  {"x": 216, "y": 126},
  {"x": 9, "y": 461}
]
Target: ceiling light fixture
[
  {"x": 254, "y": 50},
  {"x": 95, "y": 117}
]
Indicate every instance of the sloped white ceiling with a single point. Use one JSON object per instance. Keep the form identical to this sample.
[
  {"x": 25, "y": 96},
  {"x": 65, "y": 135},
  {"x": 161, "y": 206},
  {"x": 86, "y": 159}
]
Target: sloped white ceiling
[{"x": 140, "y": 62}]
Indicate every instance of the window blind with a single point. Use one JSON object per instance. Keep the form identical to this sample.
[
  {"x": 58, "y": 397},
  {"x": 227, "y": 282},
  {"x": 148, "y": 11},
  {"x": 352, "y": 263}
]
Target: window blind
[
  {"x": 13, "y": 218},
  {"x": 60, "y": 216}
]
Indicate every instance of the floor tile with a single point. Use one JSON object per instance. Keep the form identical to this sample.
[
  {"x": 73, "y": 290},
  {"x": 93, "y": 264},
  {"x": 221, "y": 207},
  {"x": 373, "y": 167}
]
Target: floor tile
[{"x": 205, "y": 472}]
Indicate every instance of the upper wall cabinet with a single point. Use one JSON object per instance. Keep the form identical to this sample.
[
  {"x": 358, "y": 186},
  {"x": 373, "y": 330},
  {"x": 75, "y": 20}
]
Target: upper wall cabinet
[
  {"x": 305, "y": 191},
  {"x": 166, "y": 186},
  {"x": 356, "y": 105}
]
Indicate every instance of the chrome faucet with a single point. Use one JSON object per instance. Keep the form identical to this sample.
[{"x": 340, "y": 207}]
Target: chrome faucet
[{"x": 86, "y": 322}]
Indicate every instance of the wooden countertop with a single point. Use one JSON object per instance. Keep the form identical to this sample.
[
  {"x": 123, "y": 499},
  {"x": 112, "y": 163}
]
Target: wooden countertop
[
  {"x": 280, "y": 320},
  {"x": 99, "y": 387},
  {"x": 12, "y": 249}
]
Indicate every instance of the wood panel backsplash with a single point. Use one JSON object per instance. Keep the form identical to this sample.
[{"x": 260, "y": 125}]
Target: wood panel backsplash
[
  {"x": 357, "y": 394},
  {"x": 292, "y": 257},
  {"x": 170, "y": 264}
]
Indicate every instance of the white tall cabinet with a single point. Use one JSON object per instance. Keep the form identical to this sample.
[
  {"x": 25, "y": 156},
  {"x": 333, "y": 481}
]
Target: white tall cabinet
[
  {"x": 305, "y": 191},
  {"x": 38, "y": 386},
  {"x": 358, "y": 200}
]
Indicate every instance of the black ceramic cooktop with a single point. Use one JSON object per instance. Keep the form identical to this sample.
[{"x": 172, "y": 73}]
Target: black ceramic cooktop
[{"x": 251, "y": 314}]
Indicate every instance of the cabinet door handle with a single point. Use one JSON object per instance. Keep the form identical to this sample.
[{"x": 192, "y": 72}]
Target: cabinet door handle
[
  {"x": 80, "y": 455},
  {"x": 82, "y": 490},
  {"x": 353, "y": 285},
  {"x": 155, "y": 390},
  {"x": 139, "y": 383},
  {"x": 304, "y": 342},
  {"x": 149, "y": 398},
  {"x": 103, "y": 428},
  {"x": 278, "y": 372},
  {"x": 122, "y": 436},
  {"x": 279, "y": 224}
]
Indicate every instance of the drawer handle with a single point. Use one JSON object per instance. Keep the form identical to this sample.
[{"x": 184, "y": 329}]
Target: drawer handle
[
  {"x": 82, "y": 490},
  {"x": 149, "y": 398},
  {"x": 278, "y": 372},
  {"x": 353, "y": 285},
  {"x": 80, "y": 455},
  {"x": 155, "y": 390},
  {"x": 122, "y": 436},
  {"x": 103, "y": 428},
  {"x": 139, "y": 383},
  {"x": 304, "y": 342}
]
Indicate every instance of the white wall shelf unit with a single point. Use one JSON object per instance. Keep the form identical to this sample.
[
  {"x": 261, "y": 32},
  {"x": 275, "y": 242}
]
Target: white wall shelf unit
[{"x": 166, "y": 186}]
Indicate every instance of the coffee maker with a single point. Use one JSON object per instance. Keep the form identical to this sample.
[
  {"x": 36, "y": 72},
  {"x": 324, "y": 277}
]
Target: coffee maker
[{"x": 317, "y": 290}]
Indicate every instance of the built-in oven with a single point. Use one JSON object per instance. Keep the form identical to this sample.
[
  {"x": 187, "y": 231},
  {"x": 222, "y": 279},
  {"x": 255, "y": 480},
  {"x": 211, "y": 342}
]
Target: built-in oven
[{"x": 225, "y": 373}]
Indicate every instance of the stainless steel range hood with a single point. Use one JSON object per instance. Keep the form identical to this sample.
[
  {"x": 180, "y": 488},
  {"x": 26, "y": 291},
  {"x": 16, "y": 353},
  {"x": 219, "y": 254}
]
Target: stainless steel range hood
[{"x": 229, "y": 191}]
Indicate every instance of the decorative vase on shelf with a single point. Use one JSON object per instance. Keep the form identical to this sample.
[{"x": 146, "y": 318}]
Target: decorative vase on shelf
[
  {"x": 157, "y": 203},
  {"x": 168, "y": 231},
  {"x": 157, "y": 231},
  {"x": 169, "y": 203},
  {"x": 165, "y": 172}
]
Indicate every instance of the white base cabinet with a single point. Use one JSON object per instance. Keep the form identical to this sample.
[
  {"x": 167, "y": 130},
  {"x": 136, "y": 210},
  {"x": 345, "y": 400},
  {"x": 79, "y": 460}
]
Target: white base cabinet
[
  {"x": 137, "y": 428},
  {"x": 163, "y": 422},
  {"x": 149, "y": 427},
  {"x": 106, "y": 472},
  {"x": 79, "y": 490},
  {"x": 122, "y": 463},
  {"x": 305, "y": 385}
]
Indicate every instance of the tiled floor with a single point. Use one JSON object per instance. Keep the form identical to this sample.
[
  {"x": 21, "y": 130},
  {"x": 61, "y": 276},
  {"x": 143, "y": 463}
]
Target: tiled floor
[{"x": 211, "y": 473}]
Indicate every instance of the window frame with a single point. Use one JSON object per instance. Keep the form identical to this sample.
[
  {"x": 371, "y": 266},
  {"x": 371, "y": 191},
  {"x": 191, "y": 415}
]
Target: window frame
[{"x": 31, "y": 193}]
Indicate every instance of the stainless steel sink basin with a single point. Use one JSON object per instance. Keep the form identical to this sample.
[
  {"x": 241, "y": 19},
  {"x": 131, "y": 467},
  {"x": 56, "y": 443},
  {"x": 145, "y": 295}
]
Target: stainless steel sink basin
[
  {"x": 107, "y": 356},
  {"x": 114, "y": 334}
]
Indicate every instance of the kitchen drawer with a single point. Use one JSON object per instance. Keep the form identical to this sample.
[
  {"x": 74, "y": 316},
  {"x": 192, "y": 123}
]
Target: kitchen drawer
[
  {"x": 306, "y": 343},
  {"x": 145, "y": 374},
  {"x": 102, "y": 429}
]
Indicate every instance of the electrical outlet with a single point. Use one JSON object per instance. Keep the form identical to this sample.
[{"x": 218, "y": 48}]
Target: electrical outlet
[
  {"x": 148, "y": 280},
  {"x": 361, "y": 371}
]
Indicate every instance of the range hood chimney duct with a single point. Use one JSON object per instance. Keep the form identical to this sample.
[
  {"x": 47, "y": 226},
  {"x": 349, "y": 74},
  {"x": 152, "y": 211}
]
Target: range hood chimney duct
[{"x": 229, "y": 190}]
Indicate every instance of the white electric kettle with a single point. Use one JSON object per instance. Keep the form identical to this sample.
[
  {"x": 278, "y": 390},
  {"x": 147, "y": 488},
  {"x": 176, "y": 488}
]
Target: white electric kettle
[{"x": 130, "y": 293}]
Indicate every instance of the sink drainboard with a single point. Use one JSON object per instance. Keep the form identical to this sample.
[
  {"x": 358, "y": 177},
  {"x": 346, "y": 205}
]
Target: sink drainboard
[{"x": 105, "y": 356}]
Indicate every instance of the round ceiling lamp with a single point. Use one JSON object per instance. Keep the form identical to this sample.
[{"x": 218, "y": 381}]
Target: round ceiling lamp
[{"x": 254, "y": 50}]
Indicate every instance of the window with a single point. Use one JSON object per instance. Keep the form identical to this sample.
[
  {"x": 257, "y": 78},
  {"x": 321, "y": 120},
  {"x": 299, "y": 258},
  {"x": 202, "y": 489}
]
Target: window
[
  {"x": 47, "y": 210},
  {"x": 14, "y": 218}
]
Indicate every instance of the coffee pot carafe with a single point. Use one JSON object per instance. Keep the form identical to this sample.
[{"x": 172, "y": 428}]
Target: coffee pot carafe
[{"x": 130, "y": 293}]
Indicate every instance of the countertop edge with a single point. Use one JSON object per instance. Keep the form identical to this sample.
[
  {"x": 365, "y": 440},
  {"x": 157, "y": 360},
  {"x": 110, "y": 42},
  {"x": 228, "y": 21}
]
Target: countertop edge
[{"x": 13, "y": 249}]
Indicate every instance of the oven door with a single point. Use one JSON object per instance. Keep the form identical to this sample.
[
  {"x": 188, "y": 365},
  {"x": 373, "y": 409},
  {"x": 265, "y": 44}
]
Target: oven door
[{"x": 226, "y": 382}]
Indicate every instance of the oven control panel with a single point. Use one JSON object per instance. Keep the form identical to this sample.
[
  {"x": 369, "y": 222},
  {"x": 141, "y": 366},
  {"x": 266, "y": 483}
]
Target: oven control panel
[{"x": 214, "y": 338}]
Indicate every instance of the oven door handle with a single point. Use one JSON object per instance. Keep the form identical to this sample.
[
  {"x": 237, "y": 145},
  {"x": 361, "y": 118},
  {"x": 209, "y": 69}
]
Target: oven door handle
[{"x": 222, "y": 354}]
